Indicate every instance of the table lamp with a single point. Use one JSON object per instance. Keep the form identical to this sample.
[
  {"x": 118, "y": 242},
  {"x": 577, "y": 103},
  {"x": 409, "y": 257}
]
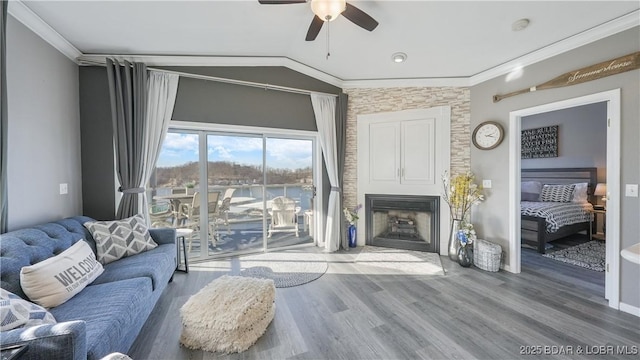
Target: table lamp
[{"x": 601, "y": 190}]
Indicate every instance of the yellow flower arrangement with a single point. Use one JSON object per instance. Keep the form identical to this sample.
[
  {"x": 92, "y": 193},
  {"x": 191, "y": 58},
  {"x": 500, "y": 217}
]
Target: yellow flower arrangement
[{"x": 461, "y": 193}]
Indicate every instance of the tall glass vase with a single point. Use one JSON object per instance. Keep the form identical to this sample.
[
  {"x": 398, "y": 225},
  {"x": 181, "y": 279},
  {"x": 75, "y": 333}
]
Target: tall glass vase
[
  {"x": 454, "y": 243},
  {"x": 352, "y": 232}
]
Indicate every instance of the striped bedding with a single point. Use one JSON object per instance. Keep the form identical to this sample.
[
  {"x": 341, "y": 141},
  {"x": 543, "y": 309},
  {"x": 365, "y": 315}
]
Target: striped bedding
[{"x": 557, "y": 214}]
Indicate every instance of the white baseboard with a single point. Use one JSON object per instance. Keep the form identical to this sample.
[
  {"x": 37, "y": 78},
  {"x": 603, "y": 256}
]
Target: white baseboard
[{"x": 633, "y": 310}]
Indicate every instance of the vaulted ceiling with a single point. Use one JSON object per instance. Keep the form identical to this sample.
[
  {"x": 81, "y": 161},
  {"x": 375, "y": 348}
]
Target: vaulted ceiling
[{"x": 444, "y": 40}]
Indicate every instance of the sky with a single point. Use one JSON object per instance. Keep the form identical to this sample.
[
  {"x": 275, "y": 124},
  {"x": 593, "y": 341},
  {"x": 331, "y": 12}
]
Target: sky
[{"x": 181, "y": 148}]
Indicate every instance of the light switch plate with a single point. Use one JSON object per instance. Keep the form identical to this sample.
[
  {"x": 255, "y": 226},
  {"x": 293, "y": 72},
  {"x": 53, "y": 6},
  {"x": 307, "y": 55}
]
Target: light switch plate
[
  {"x": 631, "y": 190},
  {"x": 64, "y": 189},
  {"x": 486, "y": 184}
]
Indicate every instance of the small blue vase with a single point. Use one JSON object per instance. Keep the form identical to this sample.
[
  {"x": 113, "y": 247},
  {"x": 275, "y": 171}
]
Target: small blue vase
[{"x": 352, "y": 236}]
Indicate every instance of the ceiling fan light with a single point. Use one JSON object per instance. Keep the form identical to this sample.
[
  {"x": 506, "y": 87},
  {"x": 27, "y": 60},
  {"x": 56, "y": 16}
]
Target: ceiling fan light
[{"x": 328, "y": 10}]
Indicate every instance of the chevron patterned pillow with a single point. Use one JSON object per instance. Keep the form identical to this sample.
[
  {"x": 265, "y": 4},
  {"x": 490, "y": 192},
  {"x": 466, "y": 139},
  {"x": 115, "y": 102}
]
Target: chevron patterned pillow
[
  {"x": 557, "y": 193},
  {"x": 120, "y": 238},
  {"x": 16, "y": 312}
]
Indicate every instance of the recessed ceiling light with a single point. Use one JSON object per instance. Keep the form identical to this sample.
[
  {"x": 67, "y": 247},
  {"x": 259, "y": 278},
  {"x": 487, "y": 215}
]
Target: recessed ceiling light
[
  {"x": 520, "y": 24},
  {"x": 399, "y": 57}
]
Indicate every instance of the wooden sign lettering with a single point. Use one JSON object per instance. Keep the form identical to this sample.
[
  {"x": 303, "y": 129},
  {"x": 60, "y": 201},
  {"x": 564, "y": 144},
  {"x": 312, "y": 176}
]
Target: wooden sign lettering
[{"x": 593, "y": 72}]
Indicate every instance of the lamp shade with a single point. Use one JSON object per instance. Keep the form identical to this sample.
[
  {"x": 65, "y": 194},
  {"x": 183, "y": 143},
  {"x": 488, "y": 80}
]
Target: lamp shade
[
  {"x": 601, "y": 189},
  {"x": 328, "y": 10}
]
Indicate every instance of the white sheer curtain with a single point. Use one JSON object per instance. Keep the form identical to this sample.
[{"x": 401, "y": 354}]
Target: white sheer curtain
[
  {"x": 324, "y": 108},
  {"x": 161, "y": 99}
]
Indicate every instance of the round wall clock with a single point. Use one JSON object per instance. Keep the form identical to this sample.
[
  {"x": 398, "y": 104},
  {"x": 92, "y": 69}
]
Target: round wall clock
[{"x": 487, "y": 135}]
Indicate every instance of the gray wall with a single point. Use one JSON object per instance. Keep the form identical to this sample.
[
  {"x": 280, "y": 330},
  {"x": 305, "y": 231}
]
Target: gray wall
[
  {"x": 492, "y": 215},
  {"x": 98, "y": 175},
  {"x": 44, "y": 130},
  {"x": 582, "y": 138},
  {"x": 197, "y": 100}
]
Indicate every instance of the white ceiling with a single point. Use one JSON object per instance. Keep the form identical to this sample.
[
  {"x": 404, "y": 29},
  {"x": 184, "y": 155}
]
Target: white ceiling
[{"x": 443, "y": 39}]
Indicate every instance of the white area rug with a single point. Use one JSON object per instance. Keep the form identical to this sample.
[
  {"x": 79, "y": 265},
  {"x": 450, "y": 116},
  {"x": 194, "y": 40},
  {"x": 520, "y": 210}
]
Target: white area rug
[
  {"x": 401, "y": 261},
  {"x": 285, "y": 268},
  {"x": 228, "y": 315}
]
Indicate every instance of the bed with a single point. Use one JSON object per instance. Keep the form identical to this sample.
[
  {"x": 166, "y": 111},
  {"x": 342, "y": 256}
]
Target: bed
[{"x": 545, "y": 221}]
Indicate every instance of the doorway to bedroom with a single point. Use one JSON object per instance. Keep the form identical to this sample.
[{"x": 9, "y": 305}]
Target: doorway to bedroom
[{"x": 581, "y": 144}]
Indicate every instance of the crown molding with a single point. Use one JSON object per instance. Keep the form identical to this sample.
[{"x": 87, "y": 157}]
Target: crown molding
[
  {"x": 28, "y": 18},
  {"x": 170, "y": 60},
  {"x": 609, "y": 28},
  {"x": 415, "y": 82}
]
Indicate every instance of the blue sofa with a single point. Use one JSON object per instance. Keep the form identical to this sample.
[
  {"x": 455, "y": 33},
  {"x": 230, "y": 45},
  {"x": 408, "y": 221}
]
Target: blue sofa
[{"x": 107, "y": 315}]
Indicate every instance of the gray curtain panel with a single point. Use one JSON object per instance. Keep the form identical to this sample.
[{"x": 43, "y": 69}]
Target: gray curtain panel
[
  {"x": 341, "y": 144},
  {"x": 128, "y": 94},
  {"x": 3, "y": 117}
]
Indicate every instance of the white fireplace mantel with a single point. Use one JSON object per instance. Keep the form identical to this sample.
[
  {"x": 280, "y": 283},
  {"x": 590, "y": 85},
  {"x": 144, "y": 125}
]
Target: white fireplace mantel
[{"x": 404, "y": 153}]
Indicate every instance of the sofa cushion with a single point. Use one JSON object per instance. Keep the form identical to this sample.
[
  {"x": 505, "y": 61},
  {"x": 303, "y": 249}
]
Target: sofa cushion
[
  {"x": 16, "y": 311},
  {"x": 109, "y": 310},
  {"x": 120, "y": 238},
  {"x": 152, "y": 264},
  {"x": 57, "y": 279}
]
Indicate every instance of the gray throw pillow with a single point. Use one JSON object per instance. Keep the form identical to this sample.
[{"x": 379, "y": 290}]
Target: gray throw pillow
[
  {"x": 530, "y": 190},
  {"x": 120, "y": 238}
]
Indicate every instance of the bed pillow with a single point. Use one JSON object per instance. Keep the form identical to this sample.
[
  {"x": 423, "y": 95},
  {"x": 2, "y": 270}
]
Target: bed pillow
[
  {"x": 120, "y": 238},
  {"x": 580, "y": 193},
  {"x": 57, "y": 279},
  {"x": 16, "y": 312},
  {"x": 530, "y": 190},
  {"x": 557, "y": 193}
]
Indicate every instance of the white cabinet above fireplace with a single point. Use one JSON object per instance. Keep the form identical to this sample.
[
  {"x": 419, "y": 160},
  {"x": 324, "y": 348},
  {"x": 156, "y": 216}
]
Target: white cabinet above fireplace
[{"x": 402, "y": 152}]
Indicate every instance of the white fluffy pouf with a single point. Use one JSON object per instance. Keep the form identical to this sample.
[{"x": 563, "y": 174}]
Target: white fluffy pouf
[{"x": 228, "y": 315}]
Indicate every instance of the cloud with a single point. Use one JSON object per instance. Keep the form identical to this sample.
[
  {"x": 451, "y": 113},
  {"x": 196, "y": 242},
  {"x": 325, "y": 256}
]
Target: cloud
[
  {"x": 289, "y": 153},
  {"x": 180, "y": 148}
]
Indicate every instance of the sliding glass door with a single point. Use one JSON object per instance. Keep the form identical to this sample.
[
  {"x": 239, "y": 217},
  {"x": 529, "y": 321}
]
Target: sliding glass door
[
  {"x": 290, "y": 189},
  {"x": 235, "y": 172},
  {"x": 237, "y": 192}
]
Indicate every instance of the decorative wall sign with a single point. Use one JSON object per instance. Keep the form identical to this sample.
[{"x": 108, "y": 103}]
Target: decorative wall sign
[
  {"x": 593, "y": 72},
  {"x": 539, "y": 143}
]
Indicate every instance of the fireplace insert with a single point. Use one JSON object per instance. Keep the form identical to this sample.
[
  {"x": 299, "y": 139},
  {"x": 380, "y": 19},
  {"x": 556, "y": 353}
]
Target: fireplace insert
[{"x": 403, "y": 221}]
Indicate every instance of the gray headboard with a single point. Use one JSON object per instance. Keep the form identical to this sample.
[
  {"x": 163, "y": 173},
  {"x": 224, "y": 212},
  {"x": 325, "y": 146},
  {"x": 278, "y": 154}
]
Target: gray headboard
[{"x": 562, "y": 176}]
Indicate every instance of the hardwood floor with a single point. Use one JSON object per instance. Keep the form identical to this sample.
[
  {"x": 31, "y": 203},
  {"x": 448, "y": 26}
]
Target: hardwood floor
[{"x": 356, "y": 313}]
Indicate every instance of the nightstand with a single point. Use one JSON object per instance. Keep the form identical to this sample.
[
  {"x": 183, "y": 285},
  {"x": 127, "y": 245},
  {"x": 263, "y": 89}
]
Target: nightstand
[{"x": 592, "y": 234}]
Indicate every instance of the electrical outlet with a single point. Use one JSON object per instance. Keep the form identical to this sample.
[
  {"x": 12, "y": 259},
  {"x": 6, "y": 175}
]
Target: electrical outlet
[
  {"x": 486, "y": 184},
  {"x": 631, "y": 190},
  {"x": 64, "y": 189}
]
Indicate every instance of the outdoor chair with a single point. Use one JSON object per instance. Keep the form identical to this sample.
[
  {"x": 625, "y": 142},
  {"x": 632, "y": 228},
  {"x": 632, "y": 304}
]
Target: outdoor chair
[
  {"x": 222, "y": 215},
  {"x": 284, "y": 216},
  {"x": 161, "y": 214},
  {"x": 191, "y": 214}
]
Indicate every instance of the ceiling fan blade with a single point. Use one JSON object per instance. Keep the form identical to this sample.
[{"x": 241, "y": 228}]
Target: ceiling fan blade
[
  {"x": 281, "y": 2},
  {"x": 359, "y": 17},
  {"x": 314, "y": 28}
]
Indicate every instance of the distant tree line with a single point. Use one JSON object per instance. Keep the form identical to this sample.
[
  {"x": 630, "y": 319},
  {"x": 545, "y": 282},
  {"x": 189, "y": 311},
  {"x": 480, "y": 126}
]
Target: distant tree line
[{"x": 228, "y": 173}]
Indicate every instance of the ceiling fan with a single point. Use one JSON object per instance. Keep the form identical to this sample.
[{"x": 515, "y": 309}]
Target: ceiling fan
[{"x": 328, "y": 10}]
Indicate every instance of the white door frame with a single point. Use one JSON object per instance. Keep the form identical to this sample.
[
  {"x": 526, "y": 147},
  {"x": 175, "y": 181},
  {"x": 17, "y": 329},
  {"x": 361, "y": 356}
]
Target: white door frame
[{"x": 612, "y": 97}]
